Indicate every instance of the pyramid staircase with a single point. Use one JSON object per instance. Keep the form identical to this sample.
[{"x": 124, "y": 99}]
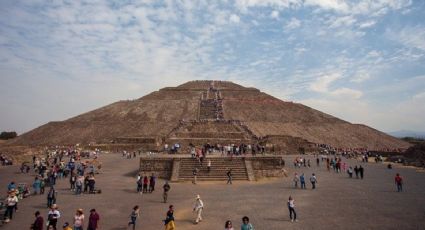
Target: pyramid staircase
[{"x": 219, "y": 168}]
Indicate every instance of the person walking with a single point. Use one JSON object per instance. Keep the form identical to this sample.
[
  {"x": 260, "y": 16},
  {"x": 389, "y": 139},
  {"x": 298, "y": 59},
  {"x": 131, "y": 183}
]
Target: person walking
[
  {"x": 11, "y": 202},
  {"x": 302, "y": 181},
  {"x": 93, "y": 220},
  {"x": 166, "y": 189},
  {"x": 145, "y": 184},
  {"x": 361, "y": 172},
  {"x": 36, "y": 185},
  {"x": 133, "y": 216},
  {"x": 51, "y": 197},
  {"x": 245, "y": 224},
  {"x": 198, "y": 208},
  {"x": 296, "y": 179},
  {"x": 291, "y": 207},
  {"x": 38, "y": 223},
  {"x": 228, "y": 225},
  {"x": 53, "y": 216},
  {"x": 399, "y": 182},
  {"x": 79, "y": 219},
  {"x": 169, "y": 219},
  {"x": 229, "y": 176},
  {"x": 313, "y": 180}
]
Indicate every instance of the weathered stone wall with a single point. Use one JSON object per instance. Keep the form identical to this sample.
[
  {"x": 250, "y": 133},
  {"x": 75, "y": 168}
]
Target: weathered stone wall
[
  {"x": 267, "y": 167},
  {"x": 161, "y": 167}
]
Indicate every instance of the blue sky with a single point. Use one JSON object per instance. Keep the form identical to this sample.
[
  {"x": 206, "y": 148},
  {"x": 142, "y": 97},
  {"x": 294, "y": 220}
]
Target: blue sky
[{"x": 360, "y": 60}]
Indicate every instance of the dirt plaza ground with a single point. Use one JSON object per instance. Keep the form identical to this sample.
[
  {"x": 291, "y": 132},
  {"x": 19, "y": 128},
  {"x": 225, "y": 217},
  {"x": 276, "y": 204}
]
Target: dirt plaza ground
[{"x": 338, "y": 202}]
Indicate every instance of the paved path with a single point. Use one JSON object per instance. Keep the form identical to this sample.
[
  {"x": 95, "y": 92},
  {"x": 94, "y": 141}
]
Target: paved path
[{"x": 337, "y": 203}]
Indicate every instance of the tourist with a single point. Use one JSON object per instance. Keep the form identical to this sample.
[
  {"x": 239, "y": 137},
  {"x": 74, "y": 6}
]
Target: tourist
[
  {"x": 72, "y": 181},
  {"x": 356, "y": 171},
  {"x": 317, "y": 161},
  {"x": 313, "y": 181},
  {"x": 229, "y": 176},
  {"x": 93, "y": 220},
  {"x": 302, "y": 181},
  {"x": 36, "y": 185},
  {"x": 53, "y": 215},
  {"x": 361, "y": 172},
  {"x": 66, "y": 226},
  {"x": 291, "y": 207},
  {"x": 195, "y": 173},
  {"x": 152, "y": 183},
  {"x": 169, "y": 220},
  {"x": 296, "y": 179},
  {"x": 42, "y": 185},
  {"x": 51, "y": 197},
  {"x": 11, "y": 202},
  {"x": 79, "y": 185},
  {"x": 399, "y": 182},
  {"x": 91, "y": 183},
  {"x": 350, "y": 172},
  {"x": 228, "y": 225},
  {"x": 133, "y": 216},
  {"x": 198, "y": 207},
  {"x": 11, "y": 186},
  {"x": 79, "y": 220},
  {"x": 209, "y": 165},
  {"x": 139, "y": 185},
  {"x": 166, "y": 188},
  {"x": 38, "y": 222},
  {"x": 145, "y": 184},
  {"x": 245, "y": 224}
]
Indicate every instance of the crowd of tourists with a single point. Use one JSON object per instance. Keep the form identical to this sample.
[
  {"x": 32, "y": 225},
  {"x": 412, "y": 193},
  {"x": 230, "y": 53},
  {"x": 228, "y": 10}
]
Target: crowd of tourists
[{"x": 4, "y": 160}]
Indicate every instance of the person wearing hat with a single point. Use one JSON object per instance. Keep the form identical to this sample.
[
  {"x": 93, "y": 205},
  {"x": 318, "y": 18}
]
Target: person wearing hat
[
  {"x": 11, "y": 202},
  {"x": 199, "y": 206},
  {"x": 66, "y": 226},
  {"x": 53, "y": 215}
]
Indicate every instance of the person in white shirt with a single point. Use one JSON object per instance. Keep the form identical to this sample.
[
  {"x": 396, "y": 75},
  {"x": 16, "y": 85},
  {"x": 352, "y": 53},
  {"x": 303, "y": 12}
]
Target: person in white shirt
[
  {"x": 79, "y": 219},
  {"x": 199, "y": 206},
  {"x": 291, "y": 207},
  {"x": 53, "y": 215}
]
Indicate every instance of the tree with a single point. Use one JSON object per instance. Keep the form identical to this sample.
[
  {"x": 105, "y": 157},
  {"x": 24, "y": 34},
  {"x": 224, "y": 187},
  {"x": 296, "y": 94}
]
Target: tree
[{"x": 8, "y": 135}]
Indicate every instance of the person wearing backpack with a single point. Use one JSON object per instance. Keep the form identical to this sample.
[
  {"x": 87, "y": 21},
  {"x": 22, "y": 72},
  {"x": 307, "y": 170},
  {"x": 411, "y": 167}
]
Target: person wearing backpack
[{"x": 313, "y": 181}]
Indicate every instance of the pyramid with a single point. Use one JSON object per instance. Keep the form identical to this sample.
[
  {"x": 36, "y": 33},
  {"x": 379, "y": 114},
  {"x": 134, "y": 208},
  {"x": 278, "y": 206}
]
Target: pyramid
[{"x": 215, "y": 112}]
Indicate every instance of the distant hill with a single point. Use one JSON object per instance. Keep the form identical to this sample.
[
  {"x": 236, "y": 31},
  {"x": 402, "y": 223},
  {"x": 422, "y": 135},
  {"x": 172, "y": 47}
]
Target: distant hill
[
  {"x": 407, "y": 133},
  {"x": 235, "y": 114}
]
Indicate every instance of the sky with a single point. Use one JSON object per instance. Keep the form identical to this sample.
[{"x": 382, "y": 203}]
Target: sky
[{"x": 360, "y": 60}]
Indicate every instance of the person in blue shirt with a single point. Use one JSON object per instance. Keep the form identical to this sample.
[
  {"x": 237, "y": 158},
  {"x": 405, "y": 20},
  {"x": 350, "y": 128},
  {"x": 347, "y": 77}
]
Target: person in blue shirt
[{"x": 302, "y": 181}]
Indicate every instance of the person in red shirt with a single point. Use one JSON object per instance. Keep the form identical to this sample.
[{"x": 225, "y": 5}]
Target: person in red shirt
[
  {"x": 399, "y": 182},
  {"x": 38, "y": 223},
  {"x": 93, "y": 220}
]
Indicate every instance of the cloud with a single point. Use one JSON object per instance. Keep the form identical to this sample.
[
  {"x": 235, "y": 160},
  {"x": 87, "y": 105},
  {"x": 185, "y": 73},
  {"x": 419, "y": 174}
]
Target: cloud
[
  {"x": 322, "y": 84},
  {"x": 274, "y": 14},
  {"x": 234, "y": 18},
  {"x": 293, "y": 24},
  {"x": 347, "y": 92},
  {"x": 410, "y": 36},
  {"x": 367, "y": 24}
]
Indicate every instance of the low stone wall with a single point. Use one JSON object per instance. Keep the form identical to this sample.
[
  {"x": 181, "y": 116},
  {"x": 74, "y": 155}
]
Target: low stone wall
[
  {"x": 161, "y": 167},
  {"x": 267, "y": 167}
]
